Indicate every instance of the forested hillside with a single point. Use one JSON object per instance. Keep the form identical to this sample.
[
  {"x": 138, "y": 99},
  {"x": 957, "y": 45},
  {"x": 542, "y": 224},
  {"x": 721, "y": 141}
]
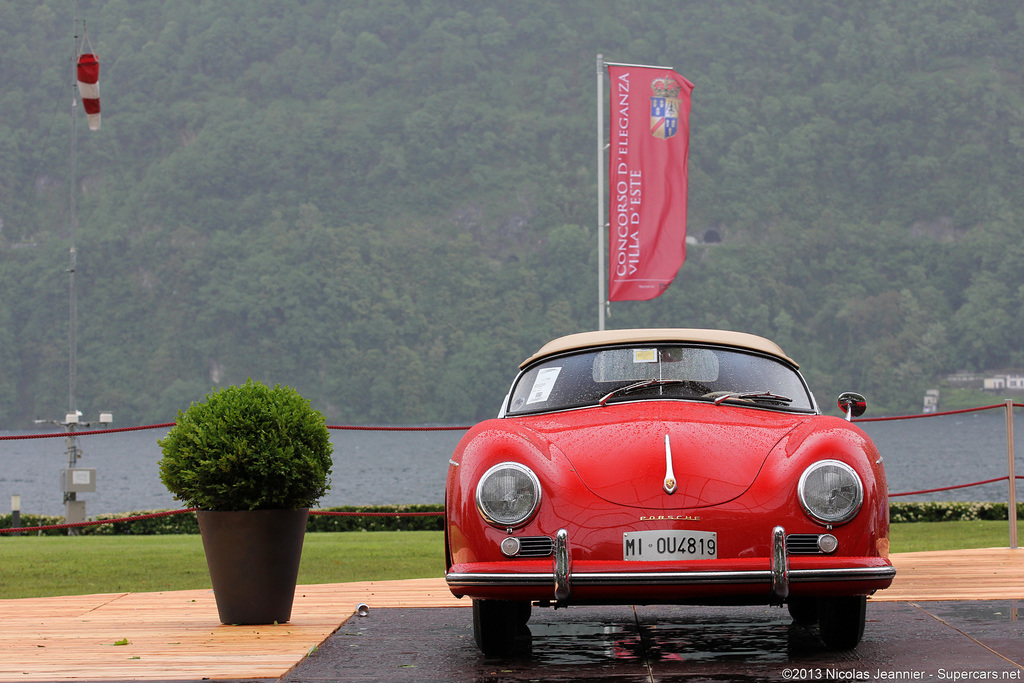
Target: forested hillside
[{"x": 389, "y": 204}]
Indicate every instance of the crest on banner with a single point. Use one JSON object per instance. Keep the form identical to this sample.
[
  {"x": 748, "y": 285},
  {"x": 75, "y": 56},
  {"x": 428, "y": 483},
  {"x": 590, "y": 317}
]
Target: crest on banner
[{"x": 664, "y": 107}]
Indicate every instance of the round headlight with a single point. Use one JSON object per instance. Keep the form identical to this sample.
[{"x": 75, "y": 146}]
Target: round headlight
[
  {"x": 830, "y": 492},
  {"x": 508, "y": 494}
]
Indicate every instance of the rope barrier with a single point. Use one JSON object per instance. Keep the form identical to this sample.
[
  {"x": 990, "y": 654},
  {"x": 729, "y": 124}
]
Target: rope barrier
[
  {"x": 74, "y": 525},
  {"x": 88, "y": 432},
  {"x": 339, "y": 513},
  {"x": 948, "y": 412},
  {"x": 168, "y": 425},
  {"x": 950, "y": 488},
  {"x": 444, "y": 428}
]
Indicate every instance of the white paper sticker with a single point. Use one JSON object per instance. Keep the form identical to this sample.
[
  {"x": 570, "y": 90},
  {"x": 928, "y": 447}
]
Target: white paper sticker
[
  {"x": 81, "y": 477},
  {"x": 543, "y": 385},
  {"x": 645, "y": 355}
]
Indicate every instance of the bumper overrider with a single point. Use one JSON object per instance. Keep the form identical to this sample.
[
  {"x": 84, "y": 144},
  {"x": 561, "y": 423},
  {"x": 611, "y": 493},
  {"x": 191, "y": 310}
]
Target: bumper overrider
[{"x": 770, "y": 582}]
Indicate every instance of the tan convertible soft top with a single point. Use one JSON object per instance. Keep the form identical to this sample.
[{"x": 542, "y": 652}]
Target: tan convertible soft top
[{"x": 609, "y": 337}]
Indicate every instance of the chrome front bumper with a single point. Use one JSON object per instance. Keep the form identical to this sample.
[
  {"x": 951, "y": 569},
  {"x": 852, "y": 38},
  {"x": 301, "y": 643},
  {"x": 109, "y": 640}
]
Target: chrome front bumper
[{"x": 777, "y": 578}]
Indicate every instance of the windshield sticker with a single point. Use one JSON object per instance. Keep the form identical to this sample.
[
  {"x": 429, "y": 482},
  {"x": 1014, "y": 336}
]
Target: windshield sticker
[
  {"x": 543, "y": 385},
  {"x": 645, "y": 355}
]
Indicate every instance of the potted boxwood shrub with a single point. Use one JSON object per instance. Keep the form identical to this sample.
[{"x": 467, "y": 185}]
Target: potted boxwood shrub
[{"x": 252, "y": 460}]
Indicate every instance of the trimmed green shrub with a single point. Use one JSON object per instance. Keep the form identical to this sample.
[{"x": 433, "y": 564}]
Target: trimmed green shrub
[{"x": 248, "y": 447}]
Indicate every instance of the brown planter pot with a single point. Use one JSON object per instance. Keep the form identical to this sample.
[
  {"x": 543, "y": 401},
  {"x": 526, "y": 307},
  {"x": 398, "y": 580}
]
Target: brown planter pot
[{"x": 253, "y": 557}]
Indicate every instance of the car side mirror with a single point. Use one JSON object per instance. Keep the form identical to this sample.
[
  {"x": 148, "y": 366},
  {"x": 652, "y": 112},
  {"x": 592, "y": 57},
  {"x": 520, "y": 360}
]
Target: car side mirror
[{"x": 853, "y": 405}]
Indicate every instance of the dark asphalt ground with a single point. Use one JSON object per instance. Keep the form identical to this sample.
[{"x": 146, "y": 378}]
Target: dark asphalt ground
[{"x": 925, "y": 641}]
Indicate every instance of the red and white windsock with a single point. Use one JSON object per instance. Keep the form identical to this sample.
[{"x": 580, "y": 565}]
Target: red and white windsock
[{"x": 89, "y": 87}]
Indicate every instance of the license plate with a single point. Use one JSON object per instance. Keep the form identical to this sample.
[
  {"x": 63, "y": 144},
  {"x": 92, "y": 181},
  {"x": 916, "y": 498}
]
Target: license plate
[{"x": 675, "y": 544}]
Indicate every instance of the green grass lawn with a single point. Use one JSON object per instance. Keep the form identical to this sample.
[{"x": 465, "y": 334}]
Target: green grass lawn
[
  {"x": 909, "y": 538},
  {"x": 39, "y": 566}
]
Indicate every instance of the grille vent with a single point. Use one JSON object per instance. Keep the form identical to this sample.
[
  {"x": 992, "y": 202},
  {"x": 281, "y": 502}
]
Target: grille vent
[
  {"x": 535, "y": 546},
  {"x": 803, "y": 544}
]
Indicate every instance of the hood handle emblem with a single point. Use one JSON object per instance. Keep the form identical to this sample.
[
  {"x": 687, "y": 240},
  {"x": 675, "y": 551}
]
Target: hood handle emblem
[{"x": 670, "y": 477}]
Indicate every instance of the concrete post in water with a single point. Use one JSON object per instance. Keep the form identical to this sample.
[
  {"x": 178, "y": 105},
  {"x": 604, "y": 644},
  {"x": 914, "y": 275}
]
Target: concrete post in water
[{"x": 1012, "y": 507}]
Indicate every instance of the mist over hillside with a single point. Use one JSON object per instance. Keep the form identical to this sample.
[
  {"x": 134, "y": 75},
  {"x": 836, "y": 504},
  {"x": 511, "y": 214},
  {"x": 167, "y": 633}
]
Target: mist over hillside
[{"x": 388, "y": 205}]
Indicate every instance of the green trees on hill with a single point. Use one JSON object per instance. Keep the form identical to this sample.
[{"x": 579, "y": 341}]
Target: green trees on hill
[{"x": 389, "y": 205}]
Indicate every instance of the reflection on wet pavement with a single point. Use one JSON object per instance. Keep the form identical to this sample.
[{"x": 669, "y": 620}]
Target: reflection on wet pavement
[
  {"x": 583, "y": 642},
  {"x": 664, "y": 643},
  {"x": 668, "y": 634}
]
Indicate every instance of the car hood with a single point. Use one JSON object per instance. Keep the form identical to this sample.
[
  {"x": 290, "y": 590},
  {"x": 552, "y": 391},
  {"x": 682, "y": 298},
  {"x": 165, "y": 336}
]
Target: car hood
[{"x": 619, "y": 451}]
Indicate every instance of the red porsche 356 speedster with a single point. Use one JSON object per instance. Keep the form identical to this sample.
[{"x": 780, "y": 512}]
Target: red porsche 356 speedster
[{"x": 666, "y": 466}]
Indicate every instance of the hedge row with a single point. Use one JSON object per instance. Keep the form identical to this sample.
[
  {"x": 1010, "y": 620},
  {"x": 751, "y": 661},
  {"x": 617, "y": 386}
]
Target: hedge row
[
  {"x": 949, "y": 512},
  {"x": 371, "y": 523},
  {"x": 186, "y": 523}
]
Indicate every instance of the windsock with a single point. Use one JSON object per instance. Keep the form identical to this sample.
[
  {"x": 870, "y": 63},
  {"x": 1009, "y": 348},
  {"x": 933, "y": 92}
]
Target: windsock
[{"x": 89, "y": 87}]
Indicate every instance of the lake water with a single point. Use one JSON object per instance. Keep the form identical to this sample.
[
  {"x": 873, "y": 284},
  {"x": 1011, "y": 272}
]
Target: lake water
[
  {"x": 388, "y": 467},
  {"x": 370, "y": 468}
]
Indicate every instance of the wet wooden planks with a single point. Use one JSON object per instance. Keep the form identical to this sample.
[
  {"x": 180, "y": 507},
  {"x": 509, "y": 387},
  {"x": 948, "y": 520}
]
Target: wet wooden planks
[{"x": 177, "y": 635}]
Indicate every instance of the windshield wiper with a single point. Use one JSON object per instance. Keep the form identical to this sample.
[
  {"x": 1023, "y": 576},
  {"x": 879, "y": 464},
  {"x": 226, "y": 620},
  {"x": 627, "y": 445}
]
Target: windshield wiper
[
  {"x": 638, "y": 385},
  {"x": 755, "y": 396}
]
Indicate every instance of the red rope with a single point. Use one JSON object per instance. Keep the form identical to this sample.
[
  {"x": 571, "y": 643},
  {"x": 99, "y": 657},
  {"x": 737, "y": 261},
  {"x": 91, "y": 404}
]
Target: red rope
[
  {"x": 948, "y": 412},
  {"x": 72, "y": 525},
  {"x": 89, "y": 432},
  {"x": 450, "y": 428},
  {"x": 167, "y": 425},
  {"x": 950, "y": 488}
]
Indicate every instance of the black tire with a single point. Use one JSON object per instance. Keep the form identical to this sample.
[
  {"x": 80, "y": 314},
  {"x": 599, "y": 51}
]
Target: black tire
[
  {"x": 523, "y": 611},
  {"x": 804, "y": 610},
  {"x": 841, "y": 621},
  {"x": 499, "y": 626}
]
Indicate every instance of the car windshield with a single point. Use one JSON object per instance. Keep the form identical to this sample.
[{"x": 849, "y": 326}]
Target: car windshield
[{"x": 601, "y": 377}]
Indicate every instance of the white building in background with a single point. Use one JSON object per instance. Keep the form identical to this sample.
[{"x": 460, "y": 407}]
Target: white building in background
[
  {"x": 994, "y": 383},
  {"x": 1004, "y": 382}
]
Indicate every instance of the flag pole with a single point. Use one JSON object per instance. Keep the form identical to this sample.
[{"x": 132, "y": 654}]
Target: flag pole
[{"x": 600, "y": 194}]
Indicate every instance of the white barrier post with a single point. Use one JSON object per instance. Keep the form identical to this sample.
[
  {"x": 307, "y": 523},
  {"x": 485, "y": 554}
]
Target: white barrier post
[{"x": 1012, "y": 507}]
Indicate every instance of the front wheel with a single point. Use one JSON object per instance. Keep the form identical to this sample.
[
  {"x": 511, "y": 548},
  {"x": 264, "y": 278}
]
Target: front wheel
[
  {"x": 841, "y": 620},
  {"x": 499, "y": 626}
]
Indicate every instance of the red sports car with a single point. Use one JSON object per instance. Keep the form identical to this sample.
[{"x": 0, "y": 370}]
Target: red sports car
[{"x": 666, "y": 466}]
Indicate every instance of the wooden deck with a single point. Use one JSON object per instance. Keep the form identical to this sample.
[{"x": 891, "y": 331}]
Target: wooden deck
[
  {"x": 980, "y": 574},
  {"x": 177, "y": 635}
]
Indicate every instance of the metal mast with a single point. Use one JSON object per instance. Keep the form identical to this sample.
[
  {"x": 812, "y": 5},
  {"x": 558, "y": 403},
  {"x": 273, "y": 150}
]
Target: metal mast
[
  {"x": 72, "y": 440},
  {"x": 601, "y": 298}
]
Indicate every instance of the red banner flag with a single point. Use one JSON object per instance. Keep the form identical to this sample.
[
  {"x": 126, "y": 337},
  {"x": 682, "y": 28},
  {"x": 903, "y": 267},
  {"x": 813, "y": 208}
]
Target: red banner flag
[{"x": 647, "y": 171}]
